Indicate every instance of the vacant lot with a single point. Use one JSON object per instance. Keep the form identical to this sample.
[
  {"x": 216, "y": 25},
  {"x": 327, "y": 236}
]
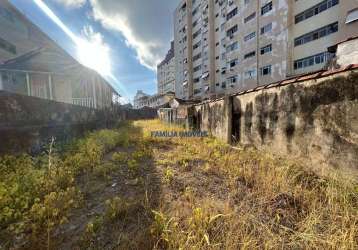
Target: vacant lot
[{"x": 123, "y": 189}]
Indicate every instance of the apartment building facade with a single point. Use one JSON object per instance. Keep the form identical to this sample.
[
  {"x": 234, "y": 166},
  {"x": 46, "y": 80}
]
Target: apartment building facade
[
  {"x": 143, "y": 100},
  {"x": 166, "y": 73},
  {"x": 224, "y": 46}
]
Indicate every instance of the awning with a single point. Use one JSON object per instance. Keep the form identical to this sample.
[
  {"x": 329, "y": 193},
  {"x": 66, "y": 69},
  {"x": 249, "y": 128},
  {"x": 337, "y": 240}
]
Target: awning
[
  {"x": 352, "y": 16},
  {"x": 185, "y": 83},
  {"x": 205, "y": 75}
]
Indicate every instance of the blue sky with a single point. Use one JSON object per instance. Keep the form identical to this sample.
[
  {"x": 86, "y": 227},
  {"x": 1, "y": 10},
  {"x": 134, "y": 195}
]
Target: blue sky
[{"x": 135, "y": 33}]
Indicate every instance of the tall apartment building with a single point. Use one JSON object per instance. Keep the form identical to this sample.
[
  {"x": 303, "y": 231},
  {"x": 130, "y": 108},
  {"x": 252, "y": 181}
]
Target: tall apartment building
[
  {"x": 223, "y": 46},
  {"x": 166, "y": 73}
]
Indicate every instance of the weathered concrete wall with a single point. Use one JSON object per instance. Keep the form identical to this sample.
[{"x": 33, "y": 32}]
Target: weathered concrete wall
[
  {"x": 215, "y": 118},
  {"x": 347, "y": 52},
  {"x": 28, "y": 123},
  {"x": 140, "y": 114},
  {"x": 315, "y": 120}
]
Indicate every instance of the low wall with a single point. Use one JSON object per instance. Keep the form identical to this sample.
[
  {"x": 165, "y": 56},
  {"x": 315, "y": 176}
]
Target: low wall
[
  {"x": 315, "y": 120},
  {"x": 28, "y": 123},
  {"x": 141, "y": 114},
  {"x": 214, "y": 117}
]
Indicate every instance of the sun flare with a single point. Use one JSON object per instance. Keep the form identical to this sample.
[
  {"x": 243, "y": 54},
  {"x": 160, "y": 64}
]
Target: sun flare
[{"x": 95, "y": 55}]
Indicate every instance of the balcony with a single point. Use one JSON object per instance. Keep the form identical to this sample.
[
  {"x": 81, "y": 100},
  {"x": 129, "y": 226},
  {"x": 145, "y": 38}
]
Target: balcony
[{"x": 84, "y": 102}]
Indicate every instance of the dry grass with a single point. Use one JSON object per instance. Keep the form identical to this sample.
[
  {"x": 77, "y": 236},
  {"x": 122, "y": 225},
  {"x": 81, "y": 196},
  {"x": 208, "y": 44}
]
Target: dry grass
[
  {"x": 245, "y": 199},
  {"x": 141, "y": 192}
]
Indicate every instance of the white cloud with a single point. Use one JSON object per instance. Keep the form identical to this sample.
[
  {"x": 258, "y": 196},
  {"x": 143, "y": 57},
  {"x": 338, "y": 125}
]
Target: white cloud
[
  {"x": 93, "y": 52},
  {"x": 146, "y": 25},
  {"x": 71, "y": 3}
]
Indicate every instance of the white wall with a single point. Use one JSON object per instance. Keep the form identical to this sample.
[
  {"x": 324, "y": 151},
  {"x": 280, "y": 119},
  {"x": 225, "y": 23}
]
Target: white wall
[{"x": 347, "y": 53}]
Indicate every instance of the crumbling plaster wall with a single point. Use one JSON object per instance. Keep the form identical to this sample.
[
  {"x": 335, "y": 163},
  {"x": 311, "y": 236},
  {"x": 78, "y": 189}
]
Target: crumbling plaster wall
[
  {"x": 314, "y": 120},
  {"x": 215, "y": 118}
]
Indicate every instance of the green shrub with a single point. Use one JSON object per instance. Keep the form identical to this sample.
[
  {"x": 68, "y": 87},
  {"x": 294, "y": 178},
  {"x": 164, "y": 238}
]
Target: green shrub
[
  {"x": 120, "y": 157},
  {"x": 116, "y": 208}
]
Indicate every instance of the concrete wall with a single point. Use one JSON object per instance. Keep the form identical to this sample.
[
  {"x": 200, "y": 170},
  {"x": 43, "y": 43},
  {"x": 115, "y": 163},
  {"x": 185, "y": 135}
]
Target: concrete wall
[
  {"x": 28, "y": 123},
  {"x": 215, "y": 118},
  {"x": 315, "y": 120},
  {"x": 140, "y": 114},
  {"x": 347, "y": 52}
]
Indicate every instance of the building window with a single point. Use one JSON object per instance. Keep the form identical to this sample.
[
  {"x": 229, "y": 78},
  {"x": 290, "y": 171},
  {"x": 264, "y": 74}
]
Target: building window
[
  {"x": 231, "y": 14},
  {"x": 232, "y": 80},
  {"x": 317, "y": 34},
  {"x": 233, "y": 63},
  {"x": 197, "y": 45},
  {"x": 251, "y": 54},
  {"x": 250, "y": 17},
  {"x": 230, "y": 33},
  {"x": 195, "y": 10},
  {"x": 196, "y": 22},
  {"x": 266, "y": 8},
  {"x": 196, "y": 80},
  {"x": 266, "y": 49},
  {"x": 196, "y": 57},
  {"x": 266, "y": 28},
  {"x": 232, "y": 47},
  {"x": 196, "y": 33},
  {"x": 264, "y": 71},
  {"x": 5, "y": 45},
  {"x": 197, "y": 68},
  {"x": 250, "y": 36},
  {"x": 312, "y": 60},
  {"x": 315, "y": 10},
  {"x": 250, "y": 74}
]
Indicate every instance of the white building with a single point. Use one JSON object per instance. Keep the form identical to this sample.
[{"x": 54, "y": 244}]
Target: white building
[
  {"x": 138, "y": 99},
  {"x": 224, "y": 46},
  {"x": 166, "y": 73},
  {"x": 142, "y": 100}
]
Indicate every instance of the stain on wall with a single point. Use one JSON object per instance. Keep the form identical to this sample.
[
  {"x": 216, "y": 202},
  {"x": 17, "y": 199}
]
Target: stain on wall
[
  {"x": 316, "y": 120},
  {"x": 215, "y": 118},
  {"x": 248, "y": 118}
]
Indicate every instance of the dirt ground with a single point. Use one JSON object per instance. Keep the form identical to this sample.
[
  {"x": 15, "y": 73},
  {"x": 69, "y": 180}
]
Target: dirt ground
[{"x": 145, "y": 191}]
